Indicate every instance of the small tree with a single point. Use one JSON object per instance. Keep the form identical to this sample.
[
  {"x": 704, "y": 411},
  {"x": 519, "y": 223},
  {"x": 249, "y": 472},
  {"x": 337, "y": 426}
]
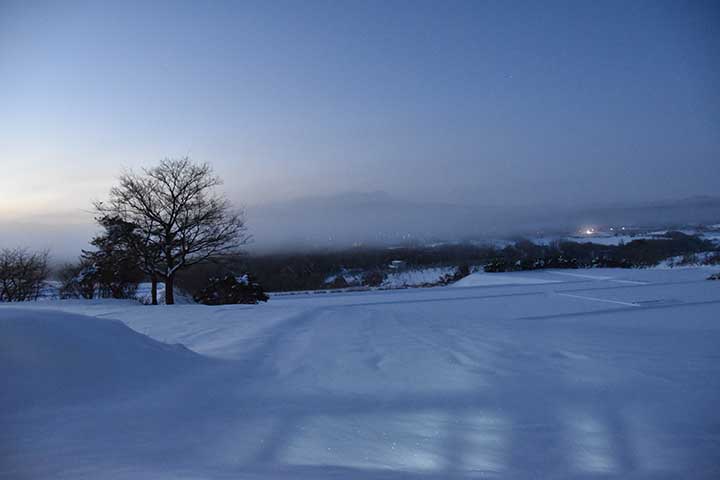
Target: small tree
[
  {"x": 22, "y": 274},
  {"x": 115, "y": 269},
  {"x": 138, "y": 240},
  {"x": 178, "y": 218},
  {"x": 77, "y": 280}
]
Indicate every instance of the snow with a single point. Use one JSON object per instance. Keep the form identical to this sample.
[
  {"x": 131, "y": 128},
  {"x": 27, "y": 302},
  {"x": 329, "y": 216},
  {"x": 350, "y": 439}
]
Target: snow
[
  {"x": 608, "y": 239},
  {"x": 353, "y": 278},
  {"x": 403, "y": 277},
  {"x": 712, "y": 236},
  {"x": 480, "y": 279},
  {"x": 602, "y": 373},
  {"x": 143, "y": 294},
  {"x": 416, "y": 277},
  {"x": 614, "y": 239},
  {"x": 66, "y": 353},
  {"x": 700, "y": 259}
]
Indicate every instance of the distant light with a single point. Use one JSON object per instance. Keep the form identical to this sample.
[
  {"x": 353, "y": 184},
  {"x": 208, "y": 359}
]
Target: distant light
[{"x": 589, "y": 231}]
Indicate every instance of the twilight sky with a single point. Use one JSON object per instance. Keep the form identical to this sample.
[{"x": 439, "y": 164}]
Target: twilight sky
[{"x": 489, "y": 103}]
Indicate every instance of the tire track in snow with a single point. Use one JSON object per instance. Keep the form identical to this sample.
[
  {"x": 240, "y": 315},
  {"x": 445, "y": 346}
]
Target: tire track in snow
[
  {"x": 619, "y": 309},
  {"x": 595, "y": 299},
  {"x": 440, "y": 299}
]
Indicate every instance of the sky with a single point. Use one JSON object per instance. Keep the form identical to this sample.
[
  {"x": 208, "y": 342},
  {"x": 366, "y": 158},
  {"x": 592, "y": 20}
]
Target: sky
[{"x": 482, "y": 102}]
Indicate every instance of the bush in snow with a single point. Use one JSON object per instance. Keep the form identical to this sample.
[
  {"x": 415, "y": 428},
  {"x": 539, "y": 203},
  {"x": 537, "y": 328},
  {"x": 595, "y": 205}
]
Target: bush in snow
[
  {"x": 22, "y": 274},
  {"x": 77, "y": 280},
  {"x": 497, "y": 265},
  {"x": 338, "y": 282},
  {"x": 231, "y": 290},
  {"x": 712, "y": 259},
  {"x": 715, "y": 276},
  {"x": 373, "y": 278},
  {"x": 460, "y": 272}
]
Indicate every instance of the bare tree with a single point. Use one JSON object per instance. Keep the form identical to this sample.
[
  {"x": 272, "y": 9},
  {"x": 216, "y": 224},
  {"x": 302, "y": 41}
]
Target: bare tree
[
  {"x": 178, "y": 217},
  {"x": 22, "y": 274}
]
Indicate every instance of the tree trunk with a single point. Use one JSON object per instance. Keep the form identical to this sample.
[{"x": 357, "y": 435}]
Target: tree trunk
[
  {"x": 153, "y": 289},
  {"x": 169, "y": 293}
]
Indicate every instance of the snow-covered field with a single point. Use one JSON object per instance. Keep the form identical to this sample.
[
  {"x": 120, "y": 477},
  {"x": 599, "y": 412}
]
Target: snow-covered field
[{"x": 570, "y": 374}]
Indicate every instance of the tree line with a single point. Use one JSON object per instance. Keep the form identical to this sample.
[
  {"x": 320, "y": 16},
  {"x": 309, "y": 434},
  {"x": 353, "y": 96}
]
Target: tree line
[
  {"x": 639, "y": 253},
  {"x": 112, "y": 272},
  {"x": 310, "y": 270}
]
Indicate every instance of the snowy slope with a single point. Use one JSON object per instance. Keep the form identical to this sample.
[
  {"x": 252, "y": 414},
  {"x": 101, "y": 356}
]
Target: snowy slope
[
  {"x": 52, "y": 357},
  {"x": 585, "y": 374},
  {"x": 482, "y": 279}
]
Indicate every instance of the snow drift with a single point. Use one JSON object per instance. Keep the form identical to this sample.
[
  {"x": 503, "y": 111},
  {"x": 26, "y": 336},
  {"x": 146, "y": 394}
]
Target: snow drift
[{"x": 49, "y": 357}]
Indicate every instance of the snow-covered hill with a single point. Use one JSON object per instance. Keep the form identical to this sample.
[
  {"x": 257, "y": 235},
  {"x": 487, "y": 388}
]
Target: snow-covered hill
[
  {"x": 546, "y": 374},
  {"x": 53, "y": 357}
]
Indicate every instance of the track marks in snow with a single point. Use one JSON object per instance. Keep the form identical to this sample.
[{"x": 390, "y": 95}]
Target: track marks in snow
[
  {"x": 594, "y": 299},
  {"x": 441, "y": 299},
  {"x": 599, "y": 278}
]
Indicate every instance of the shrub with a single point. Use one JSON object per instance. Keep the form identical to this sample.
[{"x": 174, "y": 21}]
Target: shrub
[
  {"x": 231, "y": 290},
  {"x": 22, "y": 274},
  {"x": 373, "y": 278},
  {"x": 462, "y": 271},
  {"x": 77, "y": 280},
  {"x": 497, "y": 265},
  {"x": 338, "y": 282}
]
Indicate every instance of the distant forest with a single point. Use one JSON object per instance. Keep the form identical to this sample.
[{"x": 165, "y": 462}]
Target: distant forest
[{"x": 309, "y": 271}]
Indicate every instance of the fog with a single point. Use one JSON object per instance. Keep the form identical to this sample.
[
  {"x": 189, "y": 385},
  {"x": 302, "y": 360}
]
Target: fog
[{"x": 381, "y": 219}]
